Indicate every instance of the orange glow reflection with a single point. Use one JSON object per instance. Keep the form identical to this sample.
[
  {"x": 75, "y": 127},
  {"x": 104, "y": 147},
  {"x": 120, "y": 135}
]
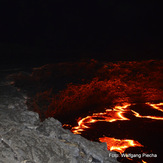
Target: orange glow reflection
[{"x": 118, "y": 144}]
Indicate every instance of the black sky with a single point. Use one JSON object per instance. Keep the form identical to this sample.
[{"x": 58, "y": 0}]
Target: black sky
[{"x": 106, "y": 30}]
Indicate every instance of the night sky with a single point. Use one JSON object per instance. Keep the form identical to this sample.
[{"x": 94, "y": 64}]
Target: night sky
[{"x": 47, "y": 31}]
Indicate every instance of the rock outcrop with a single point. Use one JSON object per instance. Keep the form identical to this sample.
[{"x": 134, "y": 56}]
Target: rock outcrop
[{"x": 24, "y": 139}]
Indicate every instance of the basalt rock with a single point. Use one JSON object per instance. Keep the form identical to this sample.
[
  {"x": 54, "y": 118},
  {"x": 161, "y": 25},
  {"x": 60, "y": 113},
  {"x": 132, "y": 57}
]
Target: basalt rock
[{"x": 24, "y": 139}]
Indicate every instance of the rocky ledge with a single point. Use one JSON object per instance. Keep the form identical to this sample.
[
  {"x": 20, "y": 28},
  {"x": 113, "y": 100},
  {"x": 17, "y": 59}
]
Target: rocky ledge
[{"x": 24, "y": 139}]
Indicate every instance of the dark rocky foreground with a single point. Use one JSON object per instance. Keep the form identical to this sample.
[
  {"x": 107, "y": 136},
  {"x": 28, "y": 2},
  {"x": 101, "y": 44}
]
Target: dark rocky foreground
[{"x": 24, "y": 139}]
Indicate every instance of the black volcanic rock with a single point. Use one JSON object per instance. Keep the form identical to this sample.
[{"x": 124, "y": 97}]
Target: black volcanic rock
[{"x": 24, "y": 139}]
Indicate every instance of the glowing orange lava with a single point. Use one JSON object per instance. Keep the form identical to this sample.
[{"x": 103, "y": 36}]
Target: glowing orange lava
[
  {"x": 150, "y": 117},
  {"x": 144, "y": 161},
  {"x": 118, "y": 144},
  {"x": 111, "y": 115},
  {"x": 154, "y": 106}
]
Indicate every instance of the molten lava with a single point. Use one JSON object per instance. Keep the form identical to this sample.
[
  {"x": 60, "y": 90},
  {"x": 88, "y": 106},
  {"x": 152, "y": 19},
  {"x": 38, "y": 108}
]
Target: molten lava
[
  {"x": 144, "y": 161},
  {"x": 154, "y": 106},
  {"x": 112, "y": 115},
  {"x": 119, "y": 145},
  {"x": 150, "y": 117}
]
